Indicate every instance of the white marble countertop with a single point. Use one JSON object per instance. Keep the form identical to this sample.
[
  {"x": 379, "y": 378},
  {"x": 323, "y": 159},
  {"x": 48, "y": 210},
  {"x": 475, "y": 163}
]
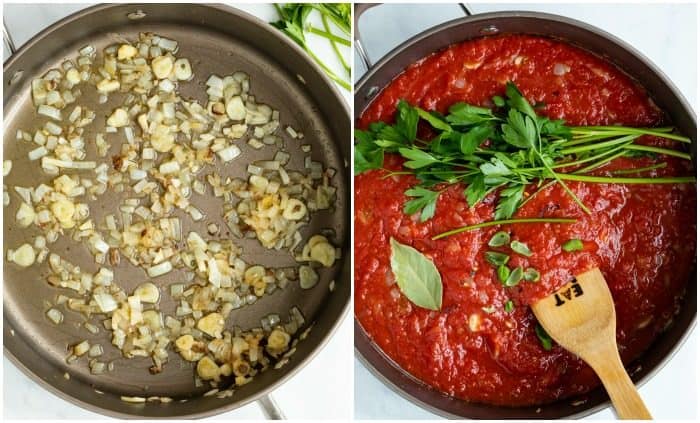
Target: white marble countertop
[
  {"x": 319, "y": 390},
  {"x": 664, "y": 33}
]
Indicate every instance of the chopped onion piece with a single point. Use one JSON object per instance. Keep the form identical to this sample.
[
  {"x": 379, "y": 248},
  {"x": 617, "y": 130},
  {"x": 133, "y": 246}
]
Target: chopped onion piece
[
  {"x": 49, "y": 111},
  {"x": 55, "y": 316},
  {"x": 159, "y": 269}
]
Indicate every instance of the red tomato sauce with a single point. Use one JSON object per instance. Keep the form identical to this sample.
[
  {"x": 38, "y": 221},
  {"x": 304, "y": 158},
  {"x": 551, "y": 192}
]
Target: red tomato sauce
[{"x": 641, "y": 236}]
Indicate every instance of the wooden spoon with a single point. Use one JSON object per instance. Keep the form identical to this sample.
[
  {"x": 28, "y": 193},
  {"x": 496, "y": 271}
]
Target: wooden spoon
[{"x": 581, "y": 318}]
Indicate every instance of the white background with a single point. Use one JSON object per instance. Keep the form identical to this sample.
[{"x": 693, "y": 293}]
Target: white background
[
  {"x": 664, "y": 33},
  {"x": 320, "y": 390}
]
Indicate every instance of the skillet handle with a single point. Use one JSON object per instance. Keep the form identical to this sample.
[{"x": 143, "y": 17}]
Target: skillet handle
[
  {"x": 270, "y": 408},
  {"x": 7, "y": 38},
  {"x": 361, "y": 8}
]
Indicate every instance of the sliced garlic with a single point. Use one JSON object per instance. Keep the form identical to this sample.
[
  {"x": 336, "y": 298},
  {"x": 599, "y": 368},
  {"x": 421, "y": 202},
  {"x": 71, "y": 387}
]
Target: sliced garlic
[
  {"x": 323, "y": 253},
  {"x": 126, "y": 51},
  {"x": 64, "y": 210},
  {"x": 25, "y": 215},
  {"x": 23, "y": 256},
  {"x": 190, "y": 349},
  {"x": 235, "y": 109},
  {"x": 147, "y": 292},
  {"x": 162, "y": 66},
  {"x": 207, "y": 369},
  {"x": 278, "y": 340},
  {"x": 308, "y": 277},
  {"x": 118, "y": 118},
  {"x": 295, "y": 210},
  {"x": 212, "y": 324},
  {"x": 183, "y": 70},
  {"x": 253, "y": 274}
]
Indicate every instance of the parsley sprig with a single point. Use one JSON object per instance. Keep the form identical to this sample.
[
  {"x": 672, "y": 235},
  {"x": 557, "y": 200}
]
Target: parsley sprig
[
  {"x": 295, "y": 23},
  {"x": 504, "y": 149}
]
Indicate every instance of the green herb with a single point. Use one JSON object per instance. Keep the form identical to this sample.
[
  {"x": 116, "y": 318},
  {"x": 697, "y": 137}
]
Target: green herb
[
  {"x": 508, "y": 306},
  {"x": 293, "y": 22},
  {"x": 520, "y": 248},
  {"x": 501, "y": 222},
  {"x": 505, "y": 150},
  {"x": 516, "y": 275},
  {"x": 417, "y": 277},
  {"x": 531, "y": 275},
  {"x": 503, "y": 273},
  {"x": 489, "y": 310},
  {"x": 496, "y": 258},
  {"x": 499, "y": 239},
  {"x": 572, "y": 245},
  {"x": 425, "y": 200},
  {"x": 640, "y": 169},
  {"x": 543, "y": 336}
]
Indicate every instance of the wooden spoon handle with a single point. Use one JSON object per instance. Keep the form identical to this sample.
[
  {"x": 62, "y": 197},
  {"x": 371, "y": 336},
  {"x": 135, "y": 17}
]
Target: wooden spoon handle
[{"x": 623, "y": 394}]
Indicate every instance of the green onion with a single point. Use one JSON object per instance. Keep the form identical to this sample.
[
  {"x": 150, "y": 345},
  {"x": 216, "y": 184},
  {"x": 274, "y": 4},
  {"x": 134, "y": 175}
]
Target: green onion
[
  {"x": 503, "y": 273},
  {"x": 520, "y": 248},
  {"x": 515, "y": 277},
  {"x": 509, "y": 306},
  {"x": 531, "y": 275},
  {"x": 543, "y": 336},
  {"x": 572, "y": 245},
  {"x": 496, "y": 258},
  {"x": 499, "y": 239}
]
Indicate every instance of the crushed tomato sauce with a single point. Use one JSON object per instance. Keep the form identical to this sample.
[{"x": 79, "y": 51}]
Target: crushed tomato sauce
[{"x": 641, "y": 236}]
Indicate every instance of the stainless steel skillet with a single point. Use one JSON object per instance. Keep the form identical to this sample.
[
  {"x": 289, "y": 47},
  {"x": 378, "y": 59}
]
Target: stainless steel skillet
[
  {"x": 592, "y": 39},
  {"x": 218, "y": 40}
]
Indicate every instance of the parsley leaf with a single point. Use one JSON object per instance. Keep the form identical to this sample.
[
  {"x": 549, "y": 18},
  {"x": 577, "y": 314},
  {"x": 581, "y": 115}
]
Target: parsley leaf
[
  {"x": 518, "y": 102},
  {"x": 510, "y": 200},
  {"x": 368, "y": 155},
  {"x": 520, "y": 130},
  {"x": 469, "y": 141},
  {"x": 425, "y": 200},
  {"x": 463, "y": 114},
  {"x": 476, "y": 191},
  {"x": 435, "y": 120},
  {"x": 407, "y": 120},
  {"x": 417, "y": 158}
]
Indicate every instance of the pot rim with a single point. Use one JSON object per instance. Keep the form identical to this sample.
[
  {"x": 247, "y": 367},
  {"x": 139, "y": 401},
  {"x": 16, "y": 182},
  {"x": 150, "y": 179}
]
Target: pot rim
[
  {"x": 296, "y": 367},
  {"x": 363, "y": 344}
]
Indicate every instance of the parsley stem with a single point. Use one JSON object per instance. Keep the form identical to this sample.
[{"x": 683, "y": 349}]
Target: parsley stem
[
  {"x": 612, "y": 180},
  {"x": 590, "y": 158},
  {"x": 502, "y": 222},
  {"x": 599, "y": 163},
  {"x": 324, "y": 18},
  {"x": 639, "y": 169},
  {"x": 328, "y": 71},
  {"x": 327, "y": 34},
  {"x": 596, "y": 146},
  {"x": 563, "y": 185},
  {"x": 621, "y": 130},
  {"x": 659, "y": 150}
]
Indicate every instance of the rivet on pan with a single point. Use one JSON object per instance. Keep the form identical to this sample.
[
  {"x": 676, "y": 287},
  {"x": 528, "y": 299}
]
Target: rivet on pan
[
  {"x": 371, "y": 92},
  {"x": 16, "y": 76},
  {"x": 134, "y": 16},
  {"x": 489, "y": 30}
]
